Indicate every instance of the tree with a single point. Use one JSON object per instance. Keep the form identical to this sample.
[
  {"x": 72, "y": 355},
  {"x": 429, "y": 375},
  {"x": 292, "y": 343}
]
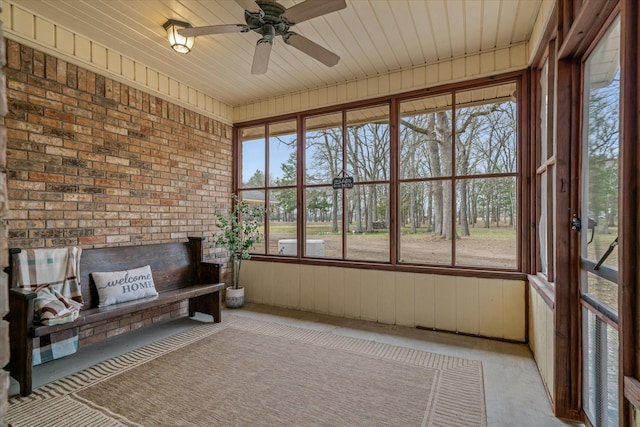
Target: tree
[
  {"x": 603, "y": 153},
  {"x": 256, "y": 180},
  {"x": 326, "y": 148},
  {"x": 287, "y": 198}
]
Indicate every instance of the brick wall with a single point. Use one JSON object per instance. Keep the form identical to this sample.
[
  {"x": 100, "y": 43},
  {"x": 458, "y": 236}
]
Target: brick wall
[
  {"x": 4, "y": 297},
  {"x": 99, "y": 331},
  {"x": 93, "y": 162}
]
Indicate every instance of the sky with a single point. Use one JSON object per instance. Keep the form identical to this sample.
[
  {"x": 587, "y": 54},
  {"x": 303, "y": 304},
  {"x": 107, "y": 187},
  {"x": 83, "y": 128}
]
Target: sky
[{"x": 253, "y": 156}]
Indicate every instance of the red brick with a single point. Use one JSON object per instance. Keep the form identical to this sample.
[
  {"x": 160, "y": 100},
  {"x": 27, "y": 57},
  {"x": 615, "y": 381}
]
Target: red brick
[
  {"x": 118, "y": 331},
  {"x": 103, "y": 150},
  {"x": 51, "y": 67},
  {"x": 61, "y": 71}
]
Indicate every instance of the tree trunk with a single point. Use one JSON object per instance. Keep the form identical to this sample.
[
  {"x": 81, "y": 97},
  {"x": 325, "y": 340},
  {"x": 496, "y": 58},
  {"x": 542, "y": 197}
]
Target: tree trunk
[
  {"x": 334, "y": 212},
  {"x": 444, "y": 131},
  {"x": 487, "y": 212},
  {"x": 464, "y": 217},
  {"x": 412, "y": 209},
  {"x": 434, "y": 161},
  {"x": 430, "y": 211}
]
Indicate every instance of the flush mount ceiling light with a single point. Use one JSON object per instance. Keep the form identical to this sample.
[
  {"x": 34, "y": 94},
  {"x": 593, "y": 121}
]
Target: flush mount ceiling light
[{"x": 178, "y": 42}]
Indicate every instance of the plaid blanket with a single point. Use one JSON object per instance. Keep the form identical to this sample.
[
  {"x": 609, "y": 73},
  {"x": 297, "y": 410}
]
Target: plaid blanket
[{"x": 53, "y": 275}]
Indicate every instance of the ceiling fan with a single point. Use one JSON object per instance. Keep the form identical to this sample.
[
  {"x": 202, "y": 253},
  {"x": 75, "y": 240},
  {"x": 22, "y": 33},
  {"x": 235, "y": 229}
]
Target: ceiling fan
[{"x": 270, "y": 19}]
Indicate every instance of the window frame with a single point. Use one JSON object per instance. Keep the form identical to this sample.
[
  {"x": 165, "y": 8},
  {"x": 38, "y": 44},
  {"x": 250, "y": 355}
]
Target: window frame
[
  {"x": 545, "y": 166},
  {"x": 523, "y": 218}
]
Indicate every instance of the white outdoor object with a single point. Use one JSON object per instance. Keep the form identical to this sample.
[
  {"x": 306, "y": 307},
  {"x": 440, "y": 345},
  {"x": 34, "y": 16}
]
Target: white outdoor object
[{"x": 315, "y": 248}]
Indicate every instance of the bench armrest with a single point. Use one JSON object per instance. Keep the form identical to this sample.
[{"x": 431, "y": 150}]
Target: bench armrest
[
  {"x": 20, "y": 317},
  {"x": 21, "y": 305},
  {"x": 209, "y": 272}
]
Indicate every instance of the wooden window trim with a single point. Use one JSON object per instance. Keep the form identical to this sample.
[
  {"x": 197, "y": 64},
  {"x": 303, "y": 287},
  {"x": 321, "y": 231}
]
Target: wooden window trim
[
  {"x": 544, "y": 288},
  {"x": 522, "y": 176}
]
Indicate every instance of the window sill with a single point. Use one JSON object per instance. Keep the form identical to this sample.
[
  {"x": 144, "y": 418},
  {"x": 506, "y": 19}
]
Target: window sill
[
  {"x": 371, "y": 265},
  {"x": 544, "y": 288}
]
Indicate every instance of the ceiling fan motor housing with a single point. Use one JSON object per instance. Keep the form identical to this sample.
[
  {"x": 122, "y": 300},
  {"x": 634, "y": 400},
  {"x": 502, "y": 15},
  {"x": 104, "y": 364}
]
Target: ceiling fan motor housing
[{"x": 270, "y": 23}]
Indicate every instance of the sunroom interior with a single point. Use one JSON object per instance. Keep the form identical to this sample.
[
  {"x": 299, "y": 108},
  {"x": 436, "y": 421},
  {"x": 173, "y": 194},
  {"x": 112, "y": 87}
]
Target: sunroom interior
[{"x": 468, "y": 166}]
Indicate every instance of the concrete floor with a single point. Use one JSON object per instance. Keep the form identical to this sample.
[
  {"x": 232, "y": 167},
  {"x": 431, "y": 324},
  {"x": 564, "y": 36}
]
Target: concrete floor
[{"x": 515, "y": 394}]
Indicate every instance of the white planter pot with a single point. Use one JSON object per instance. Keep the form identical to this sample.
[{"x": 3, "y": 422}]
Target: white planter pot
[{"x": 234, "y": 298}]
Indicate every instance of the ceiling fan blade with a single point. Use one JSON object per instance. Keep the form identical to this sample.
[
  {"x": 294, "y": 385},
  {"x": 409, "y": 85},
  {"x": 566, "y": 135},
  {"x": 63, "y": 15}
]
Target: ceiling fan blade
[
  {"x": 249, "y": 6},
  {"x": 311, "y": 48},
  {"x": 312, "y": 8},
  {"x": 261, "y": 56},
  {"x": 213, "y": 29}
]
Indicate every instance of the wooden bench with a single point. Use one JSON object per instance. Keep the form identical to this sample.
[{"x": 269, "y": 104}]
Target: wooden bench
[{"x": 178, "y": 273}]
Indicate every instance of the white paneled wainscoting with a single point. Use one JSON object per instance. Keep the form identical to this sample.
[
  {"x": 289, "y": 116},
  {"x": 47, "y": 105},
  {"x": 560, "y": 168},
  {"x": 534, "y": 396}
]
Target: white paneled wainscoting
[
  {"x": 494, "y": 308},
  {"x": 542, "y": 336}
]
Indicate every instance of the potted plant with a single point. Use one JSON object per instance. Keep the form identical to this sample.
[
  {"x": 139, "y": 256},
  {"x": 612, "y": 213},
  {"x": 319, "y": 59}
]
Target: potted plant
[{"x": 239, "y": 230}]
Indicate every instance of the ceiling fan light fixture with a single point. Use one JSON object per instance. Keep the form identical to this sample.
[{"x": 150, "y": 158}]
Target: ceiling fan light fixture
[
  {"x": 179, "y": 43},
  {"x": 270, "y": 19}
]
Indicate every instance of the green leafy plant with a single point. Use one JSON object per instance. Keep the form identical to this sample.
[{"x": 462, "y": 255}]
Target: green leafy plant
[{"x": 239, "y": 230}]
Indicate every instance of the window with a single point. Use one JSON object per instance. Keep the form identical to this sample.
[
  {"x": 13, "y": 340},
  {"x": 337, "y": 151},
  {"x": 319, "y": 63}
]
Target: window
[
  {"x": 545, "y": 157},
  {"x": 348, "y": 223},
  {"x": 367, "y": 203},
  {"x": 324, "y": 159},
  {"x": 269, "y": 177},
  {"x": 458, "y": 179},
  {"x": 441, "y": 191},
  {"x": 599, "y": 231}
]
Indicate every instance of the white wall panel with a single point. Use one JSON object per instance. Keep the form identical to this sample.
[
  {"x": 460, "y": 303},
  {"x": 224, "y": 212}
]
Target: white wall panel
[
  {"x": 432, "y": 74},
  {"x": 280, "y": 278},
  {"x": 250, "y": 280},
  {"x": 502, "y": 59},
  {"x": 336, "y": 291},
  {"x": 369, "y": 295},
  {"x": 405, "y": 298},
  {"x": 83, "y": 48},
  {"x": 514, "y": 310},
  {"x": 307, "y": 287},
  {"x": 425, "y": 300},
  {"x": 114, "y": 62},
  {"x": 321, "y": 289},
  {"x": 383, "y": 83},
  {"x": 291, "y": 273},
  {"x": 541, "y": 336},
  {"x": 446, "y": 317},
  {"x": 419, "y": 77},
  {"x": 273, "y": 280},
  {"x": 352, "y": 293},
  {"x": 22, "y": 21},
  {"x": 45, "y": 32},
  {"x": 386, "y": 297},
  {"x": 99, "y": 55},
  {"x": 490, "y": 299},
  {"x": 467, "y": 297},
  {"x": 64, "y": 41},
  {"x": 128, "y": 69},
  {"x": 550, "y": 347},
  {"x": 480, "y": 306}
]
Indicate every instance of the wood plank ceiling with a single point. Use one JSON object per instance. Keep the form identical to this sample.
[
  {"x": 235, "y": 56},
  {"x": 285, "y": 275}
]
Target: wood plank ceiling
[{"x": 371, "y": 37}]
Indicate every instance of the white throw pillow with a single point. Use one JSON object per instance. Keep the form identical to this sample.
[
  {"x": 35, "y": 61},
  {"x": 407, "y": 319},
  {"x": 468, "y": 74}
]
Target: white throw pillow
[{"x": 126, "y": 285}]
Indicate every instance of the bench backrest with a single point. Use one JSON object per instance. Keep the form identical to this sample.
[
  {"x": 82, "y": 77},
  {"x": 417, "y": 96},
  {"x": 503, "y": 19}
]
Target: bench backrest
[{"x": 173, "y": 265}]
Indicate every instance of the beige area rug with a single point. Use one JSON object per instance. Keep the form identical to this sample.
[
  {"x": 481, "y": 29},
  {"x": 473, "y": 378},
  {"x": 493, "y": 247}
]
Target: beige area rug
[{"x": 246, "y": 372}]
